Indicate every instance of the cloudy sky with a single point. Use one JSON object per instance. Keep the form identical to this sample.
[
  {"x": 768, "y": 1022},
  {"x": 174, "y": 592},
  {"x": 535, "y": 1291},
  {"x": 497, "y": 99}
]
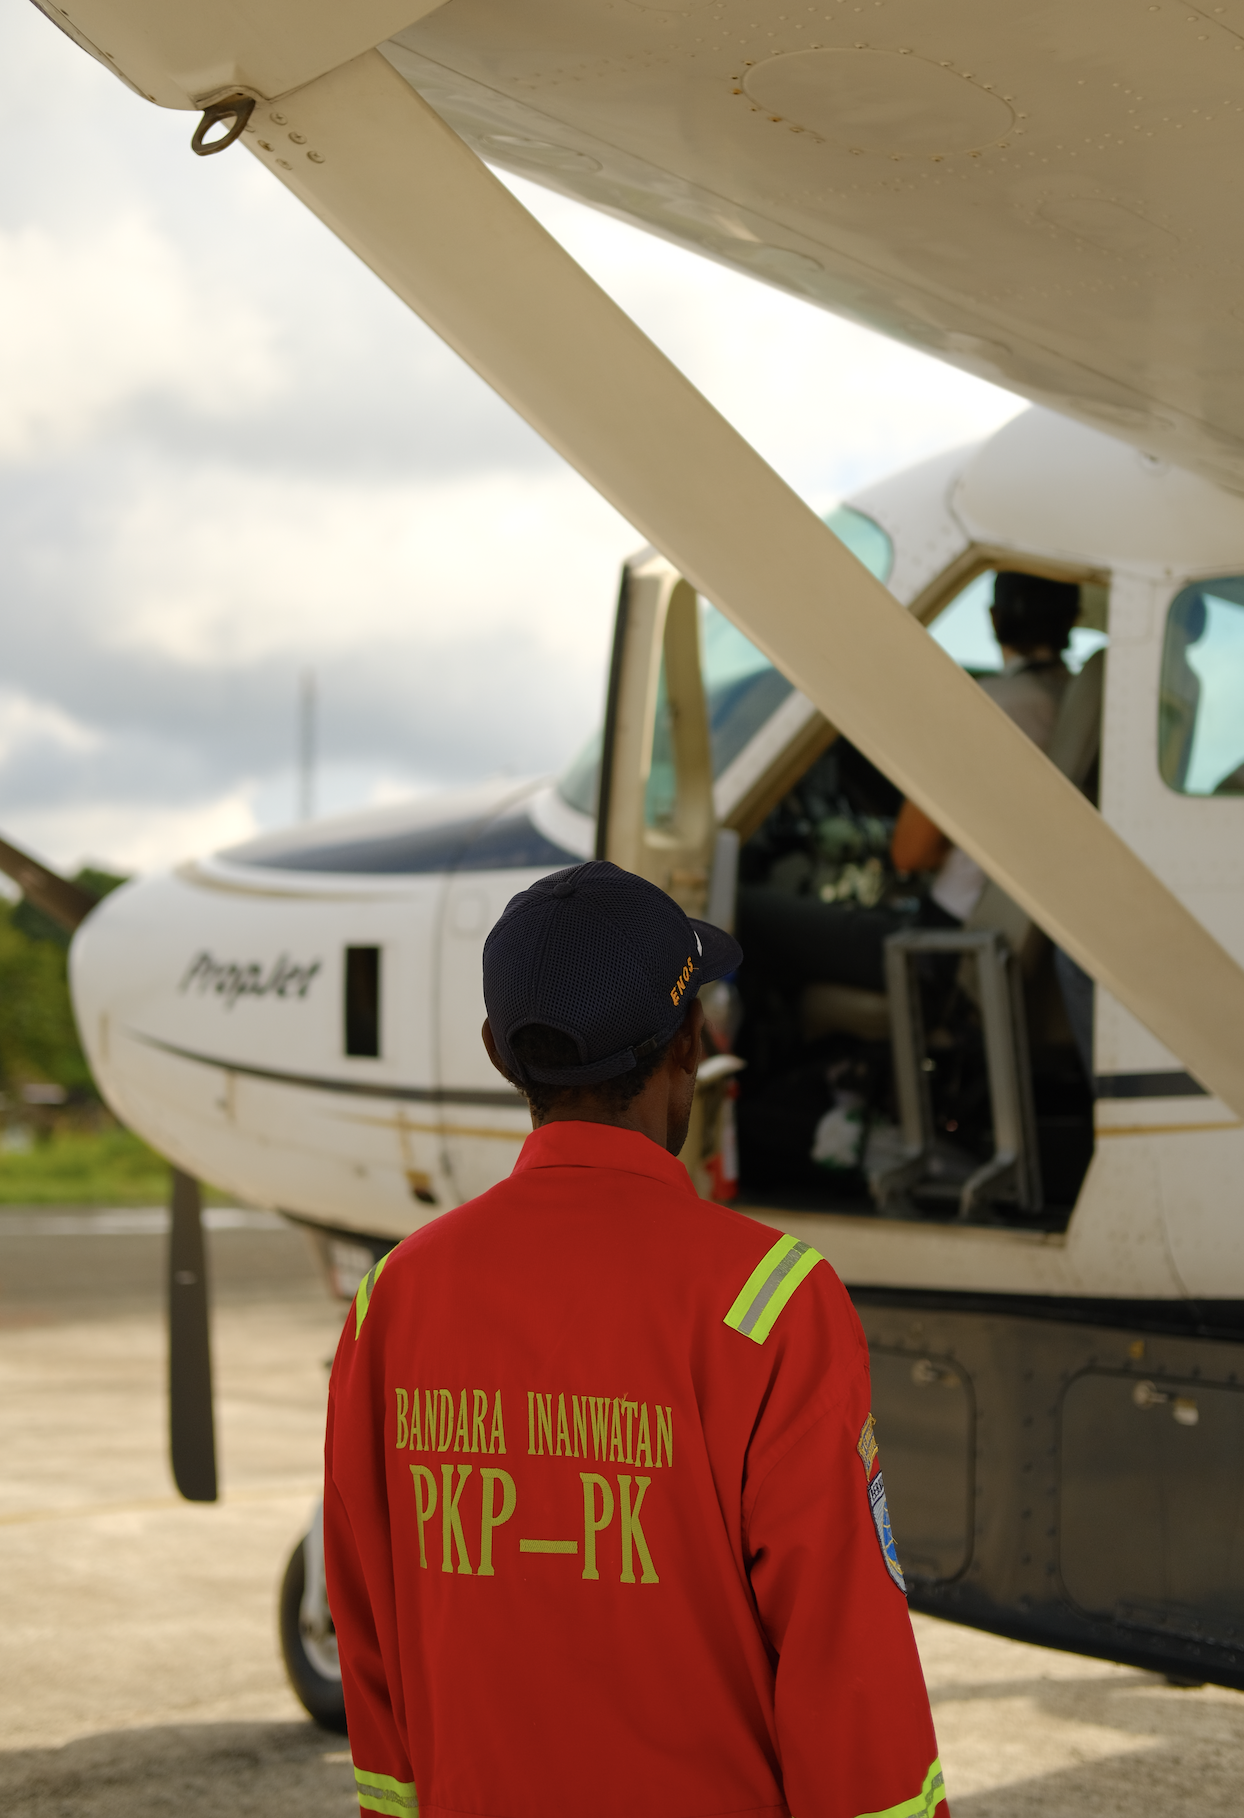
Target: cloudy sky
[{"x": 227, "y": 453}]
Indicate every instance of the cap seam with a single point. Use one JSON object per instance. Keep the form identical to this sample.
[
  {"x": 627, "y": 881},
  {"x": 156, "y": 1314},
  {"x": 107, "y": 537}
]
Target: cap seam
[{"x": 624, "y": 934}]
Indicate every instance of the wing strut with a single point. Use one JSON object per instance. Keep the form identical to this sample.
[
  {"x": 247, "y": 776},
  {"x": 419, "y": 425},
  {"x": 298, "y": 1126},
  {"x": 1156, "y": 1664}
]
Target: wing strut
[{"x": 400, "y": 188}]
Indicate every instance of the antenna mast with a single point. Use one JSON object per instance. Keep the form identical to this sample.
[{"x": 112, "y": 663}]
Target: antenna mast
[{"x": 306, "y": 745}]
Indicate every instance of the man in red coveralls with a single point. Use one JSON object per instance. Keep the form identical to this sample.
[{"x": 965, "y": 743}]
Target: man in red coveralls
[{"x": 605, "y": 1528}]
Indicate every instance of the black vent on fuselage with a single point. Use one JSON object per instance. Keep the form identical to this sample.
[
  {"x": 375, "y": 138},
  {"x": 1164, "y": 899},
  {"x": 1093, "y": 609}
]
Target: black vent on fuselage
[{"x": 362, "y": 1002}]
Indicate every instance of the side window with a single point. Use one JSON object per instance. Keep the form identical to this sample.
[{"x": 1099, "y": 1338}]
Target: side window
[
  {"x": 362, "y": 1002},
  {"x": 1201, "y": 698},
  {"x": 963, "y": 629}
]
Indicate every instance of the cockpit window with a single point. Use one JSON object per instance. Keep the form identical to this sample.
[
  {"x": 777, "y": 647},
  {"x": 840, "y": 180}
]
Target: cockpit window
[
  {"x": 1201, "y": 700},
  {"x": 742, "y": 687},
  {"x": 864, "y": 538},
  {"x": 579, "y": 782}
]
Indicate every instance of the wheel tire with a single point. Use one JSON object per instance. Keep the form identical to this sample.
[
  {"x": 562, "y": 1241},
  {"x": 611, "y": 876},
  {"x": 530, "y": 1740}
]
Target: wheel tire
[{"x": 319, "y": 1694}]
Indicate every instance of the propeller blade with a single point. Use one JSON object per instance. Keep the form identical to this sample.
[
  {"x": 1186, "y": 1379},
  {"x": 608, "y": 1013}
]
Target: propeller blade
[
  {"x": 66, "y": 903},
  {"x": 192, "y": 1430},
  {"x": 192, "y": 1427}
]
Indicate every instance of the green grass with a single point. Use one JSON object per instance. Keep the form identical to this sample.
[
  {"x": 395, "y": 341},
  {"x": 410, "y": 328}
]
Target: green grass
[{"x": 74, "y": 1167}]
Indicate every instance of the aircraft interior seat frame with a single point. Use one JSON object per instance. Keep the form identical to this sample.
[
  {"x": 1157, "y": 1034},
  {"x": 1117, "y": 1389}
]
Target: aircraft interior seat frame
[{"x": 1013, "y": 1171}]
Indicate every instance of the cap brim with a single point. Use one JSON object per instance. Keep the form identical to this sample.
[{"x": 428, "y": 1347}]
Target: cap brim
[{"x": 721, "y": 953}]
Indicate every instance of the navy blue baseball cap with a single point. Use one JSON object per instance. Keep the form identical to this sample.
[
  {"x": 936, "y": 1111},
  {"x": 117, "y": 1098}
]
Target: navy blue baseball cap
[{"x": 604, "y": 957}]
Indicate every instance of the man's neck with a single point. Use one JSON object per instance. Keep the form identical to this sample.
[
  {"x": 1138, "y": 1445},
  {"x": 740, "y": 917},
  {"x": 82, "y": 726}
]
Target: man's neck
[
  {"x": 1044, "y": 653},
  {"x": 647, "y": 1115}
]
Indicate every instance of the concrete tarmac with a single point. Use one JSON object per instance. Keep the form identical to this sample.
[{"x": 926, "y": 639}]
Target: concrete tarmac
[{"x": 140, "y": 1672}]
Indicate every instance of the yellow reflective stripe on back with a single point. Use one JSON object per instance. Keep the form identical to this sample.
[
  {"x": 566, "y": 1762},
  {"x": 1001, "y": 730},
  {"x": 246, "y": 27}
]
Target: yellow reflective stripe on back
[
  {"x": 769, "y": 1287},
  {"x": 924, "y": 1804},
  {"x": 380, "y": 1793},
  {"x": 362, "y": 1299}
]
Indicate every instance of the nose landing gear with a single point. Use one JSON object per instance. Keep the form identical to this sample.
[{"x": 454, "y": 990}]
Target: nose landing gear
[{"x": 308, "y": 1638}]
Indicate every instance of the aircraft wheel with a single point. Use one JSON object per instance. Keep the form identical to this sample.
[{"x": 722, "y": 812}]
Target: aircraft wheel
[{"x": 309, "y": 1645}]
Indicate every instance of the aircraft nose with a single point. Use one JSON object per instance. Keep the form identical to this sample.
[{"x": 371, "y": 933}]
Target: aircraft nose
[{"x": 121, "y": 960}]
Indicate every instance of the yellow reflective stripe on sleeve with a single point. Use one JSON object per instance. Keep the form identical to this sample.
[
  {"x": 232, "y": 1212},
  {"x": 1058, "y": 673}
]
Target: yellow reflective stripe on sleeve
[
  {"x": 924, "y": 1804},
  {"x": 379, "y": 1793},
  {"x": 769, "y": 1287},
  {"x": 362, "y": 1299}
]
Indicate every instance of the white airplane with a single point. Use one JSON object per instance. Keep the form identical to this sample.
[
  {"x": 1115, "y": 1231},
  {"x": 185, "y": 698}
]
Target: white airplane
[{"x": 1051, "y": 1276}]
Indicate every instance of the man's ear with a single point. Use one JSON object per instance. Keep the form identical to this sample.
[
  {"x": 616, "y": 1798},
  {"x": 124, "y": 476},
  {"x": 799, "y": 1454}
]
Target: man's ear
[
  {"x": 685, "y": 1050},
  {"x": 490, "y": 1043}
]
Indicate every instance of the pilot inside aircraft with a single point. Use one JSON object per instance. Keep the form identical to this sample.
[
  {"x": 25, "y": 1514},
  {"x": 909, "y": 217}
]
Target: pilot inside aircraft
[
  {"x": 844, "y": 864},
  {"x": 1032, "y": 618},
  {"x": 841, "y": 942}
]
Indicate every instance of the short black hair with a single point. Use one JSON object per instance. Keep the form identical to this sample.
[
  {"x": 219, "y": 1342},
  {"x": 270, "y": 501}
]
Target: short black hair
[
  {"x": 1031, "y": 611},
  {"x": 537, "y": 1045}
]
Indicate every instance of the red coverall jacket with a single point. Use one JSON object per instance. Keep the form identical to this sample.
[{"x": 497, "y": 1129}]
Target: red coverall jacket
[{"x": 603, "y": 1516}]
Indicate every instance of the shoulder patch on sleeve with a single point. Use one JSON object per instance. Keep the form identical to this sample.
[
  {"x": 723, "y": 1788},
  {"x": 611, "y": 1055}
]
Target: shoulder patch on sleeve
[
  {"x": 866, "y": 1445},
  {"x": 769, "y": 1287},
  {"x": 878, "y": 1508},
  {"x": 362, "y": 1299}
]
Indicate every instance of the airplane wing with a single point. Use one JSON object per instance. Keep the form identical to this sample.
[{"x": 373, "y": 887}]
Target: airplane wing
[
  {"x": 378, "y": 164},
  {"x": 1039, "y": 194}
]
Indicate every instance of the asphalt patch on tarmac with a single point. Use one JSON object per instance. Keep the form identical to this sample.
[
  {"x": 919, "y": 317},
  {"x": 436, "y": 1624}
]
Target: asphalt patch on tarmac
[
  {"x": 61, "y": 1262},
  {"x": 140, "y": 1672},
  {"x": 208, "y": 1770}
]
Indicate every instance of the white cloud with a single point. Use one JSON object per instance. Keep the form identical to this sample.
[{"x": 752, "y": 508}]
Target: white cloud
[
  {"x": 109, "y": 313},
  {"x": 226, "y": 451},
  {"x": 133, "y": 837},
  {"x": 232, "y": 567},
  {"x": 25, "y": 723}
]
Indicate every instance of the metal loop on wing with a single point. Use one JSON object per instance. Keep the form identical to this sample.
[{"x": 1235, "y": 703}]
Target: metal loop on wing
[{"x": 238, "y": 109}]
